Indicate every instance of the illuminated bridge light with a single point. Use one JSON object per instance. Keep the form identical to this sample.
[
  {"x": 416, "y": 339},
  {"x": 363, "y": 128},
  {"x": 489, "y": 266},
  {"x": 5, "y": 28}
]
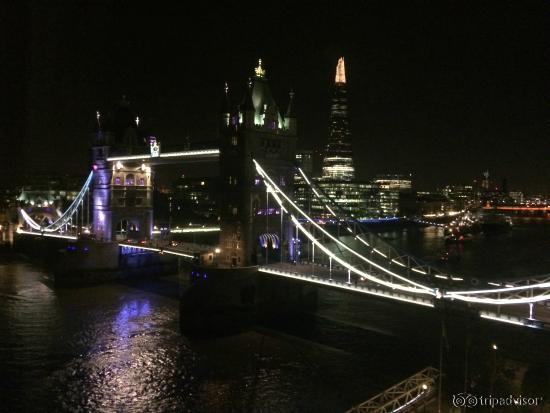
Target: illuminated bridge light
[
  {"x": 348, "y": 287},
  {"x": 188, "y": 230},
  {"x": 502, "y": 319},
  {"x": 380, "y": 253},
  {"x": 398, "y": 262},
  {"x": 45, "y": 234},
  {"x": 183, "y": 154}
]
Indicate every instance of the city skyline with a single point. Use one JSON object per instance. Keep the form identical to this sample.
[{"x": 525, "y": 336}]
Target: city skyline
[{"x": 467, "y": 90}]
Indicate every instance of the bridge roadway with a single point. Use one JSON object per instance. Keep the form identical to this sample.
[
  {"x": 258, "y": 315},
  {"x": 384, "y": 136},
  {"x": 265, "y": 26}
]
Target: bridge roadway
[
  {"x": 337, "y": 278},
  {"x": 517, "y": 314}
]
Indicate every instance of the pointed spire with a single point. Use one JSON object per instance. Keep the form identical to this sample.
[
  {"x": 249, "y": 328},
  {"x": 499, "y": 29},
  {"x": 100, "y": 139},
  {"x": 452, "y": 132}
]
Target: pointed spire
[
  {"x": 247, "y": 101},
  {"x": 340, "y": 71},
  {"x": 259, "y": 70},
  {"x": 226, "y": 105},
  {"x": 290, "y": 113}
]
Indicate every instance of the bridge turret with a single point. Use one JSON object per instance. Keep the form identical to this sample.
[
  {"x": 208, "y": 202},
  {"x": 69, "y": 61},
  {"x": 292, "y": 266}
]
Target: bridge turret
[
  {"x": 260, "y": 135},
  {"x": 122, "y": 187},
  {"x": 246, "y": 108},
  {"x": 290, "y": 116},
  {"x": 225, "y": 110}
]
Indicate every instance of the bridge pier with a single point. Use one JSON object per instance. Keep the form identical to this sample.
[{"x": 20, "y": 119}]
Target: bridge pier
[{"x": 224, "y": 300}]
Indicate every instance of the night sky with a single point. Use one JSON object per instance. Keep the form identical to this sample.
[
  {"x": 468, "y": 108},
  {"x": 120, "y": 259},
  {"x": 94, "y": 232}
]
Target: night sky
[{"x": 442, "y": 90}]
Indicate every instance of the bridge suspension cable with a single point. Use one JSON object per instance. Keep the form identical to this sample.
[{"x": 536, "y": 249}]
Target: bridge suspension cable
[
  {"x": 420, "y": 288},
  {"x": 65, "y": 216},
  {"x": 387, "y": 251},
  {"x": 508, "y": 295}
]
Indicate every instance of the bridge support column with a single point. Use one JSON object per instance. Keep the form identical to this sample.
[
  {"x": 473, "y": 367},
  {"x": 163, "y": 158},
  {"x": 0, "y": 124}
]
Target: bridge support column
[
  {"x": 221, "y": 300},
  {"x": 101, "y": 202}
]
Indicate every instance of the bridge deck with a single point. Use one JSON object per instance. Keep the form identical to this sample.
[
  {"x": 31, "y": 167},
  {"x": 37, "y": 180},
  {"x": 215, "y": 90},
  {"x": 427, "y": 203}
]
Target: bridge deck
[
  {"x": 322, "y": 276},
  {"x": 516, "y": 314}
]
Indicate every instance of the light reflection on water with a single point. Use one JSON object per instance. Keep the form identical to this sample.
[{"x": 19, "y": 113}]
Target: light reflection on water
[
  {"x": 107, "y": 348},
  {"x": 135, "y": 362},
  {"x": 118, "y": 347}
]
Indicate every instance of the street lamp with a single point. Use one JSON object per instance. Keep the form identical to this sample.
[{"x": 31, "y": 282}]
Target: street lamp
[{"x": 494, "y": 347}]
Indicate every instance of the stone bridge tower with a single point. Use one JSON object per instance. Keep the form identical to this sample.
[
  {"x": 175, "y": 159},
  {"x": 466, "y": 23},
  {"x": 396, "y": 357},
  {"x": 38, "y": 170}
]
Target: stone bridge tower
[
  {"x": 254, "y": 129},
  {"x": 122, "y": 189}
]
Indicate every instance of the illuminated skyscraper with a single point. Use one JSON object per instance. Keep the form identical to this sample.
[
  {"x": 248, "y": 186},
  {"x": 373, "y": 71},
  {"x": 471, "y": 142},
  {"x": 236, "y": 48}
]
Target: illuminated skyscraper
[{"x": 338, "y": 161}]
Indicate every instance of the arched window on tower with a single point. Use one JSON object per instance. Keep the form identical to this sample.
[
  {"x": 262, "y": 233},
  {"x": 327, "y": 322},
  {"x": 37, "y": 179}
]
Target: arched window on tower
[{"x": 130, "y": 180}]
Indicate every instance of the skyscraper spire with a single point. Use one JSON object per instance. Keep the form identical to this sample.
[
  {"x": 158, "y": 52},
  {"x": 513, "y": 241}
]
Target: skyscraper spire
[
  {"x": 340, "y": 71},
  {"x": 259, "y": 70},
  {"x": 226, "y": 105}
]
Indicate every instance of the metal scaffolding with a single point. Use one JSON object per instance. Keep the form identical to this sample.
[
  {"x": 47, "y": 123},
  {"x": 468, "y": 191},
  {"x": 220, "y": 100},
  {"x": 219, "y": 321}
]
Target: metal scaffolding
[{"x": 404, "y": 396}]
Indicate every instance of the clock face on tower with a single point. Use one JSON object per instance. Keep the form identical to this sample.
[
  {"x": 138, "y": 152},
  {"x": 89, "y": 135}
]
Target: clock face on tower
[
  {"x": 155, "y": 147},
  {"x": 155, "y": 150}
]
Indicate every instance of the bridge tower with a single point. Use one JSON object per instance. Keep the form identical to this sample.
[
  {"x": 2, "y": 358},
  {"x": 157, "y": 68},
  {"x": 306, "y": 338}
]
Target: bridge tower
[
  {"x": 122, "y": 199},
  {"x": 252, "y": 231}
]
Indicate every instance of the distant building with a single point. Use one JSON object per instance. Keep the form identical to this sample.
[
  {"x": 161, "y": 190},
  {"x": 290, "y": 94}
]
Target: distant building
[
  {"x": 356, "y": 199},
  {"x": 338, "y": 160},
  {"x": 46, "y": 191},
  {"x": 194, "y": 200},
  {"x": 395, "y": 194},
  {"x": 433, "y": 203},
  {"x": 461, "y": 196},
  {"x": 516, "y": 197}
]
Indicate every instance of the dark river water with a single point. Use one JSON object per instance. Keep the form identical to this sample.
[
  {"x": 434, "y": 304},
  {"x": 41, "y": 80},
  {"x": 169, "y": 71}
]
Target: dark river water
[{"x": 117, "y": 347}]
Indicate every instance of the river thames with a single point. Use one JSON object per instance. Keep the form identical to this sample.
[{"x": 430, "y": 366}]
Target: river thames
[{"x": 117, "y": 347}]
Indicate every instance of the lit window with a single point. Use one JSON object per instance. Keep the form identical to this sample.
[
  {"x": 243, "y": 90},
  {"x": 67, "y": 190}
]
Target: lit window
[
  {"x": 117, "y": 180},
  {"x": 130, "y": 179},
  {"x": 141, "y": 181}
]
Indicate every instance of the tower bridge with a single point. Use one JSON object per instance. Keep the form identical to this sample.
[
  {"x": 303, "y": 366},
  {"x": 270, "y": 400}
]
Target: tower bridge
[
  {"x": 261, "y": 226},
  {"x": 261, "y": 261}
]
